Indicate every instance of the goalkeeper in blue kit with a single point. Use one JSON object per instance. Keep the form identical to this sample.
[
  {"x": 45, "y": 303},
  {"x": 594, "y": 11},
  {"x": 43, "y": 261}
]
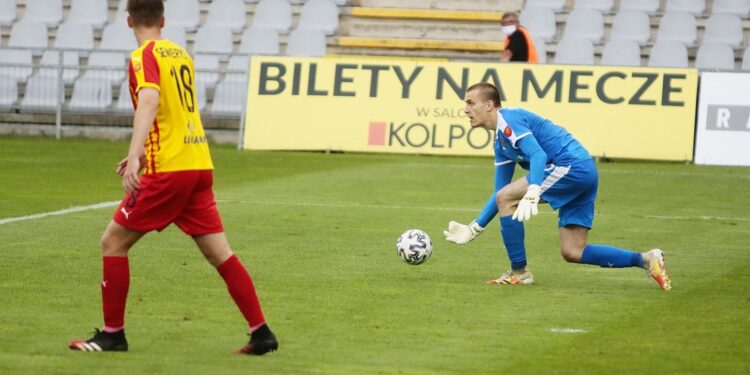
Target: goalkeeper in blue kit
[{"x": 560, "y": 172}]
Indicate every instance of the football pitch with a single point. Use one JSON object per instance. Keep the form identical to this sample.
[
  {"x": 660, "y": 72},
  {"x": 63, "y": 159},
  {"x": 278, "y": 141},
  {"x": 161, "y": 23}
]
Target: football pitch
[{"x": 317, "y": 232}]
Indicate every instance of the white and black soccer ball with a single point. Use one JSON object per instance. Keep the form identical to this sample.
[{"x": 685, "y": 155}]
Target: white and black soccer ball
[{"x": 414, "y": 247}]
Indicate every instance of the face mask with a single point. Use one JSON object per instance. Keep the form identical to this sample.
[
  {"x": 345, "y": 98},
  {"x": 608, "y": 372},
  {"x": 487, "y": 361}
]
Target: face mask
[{"x": 510, "y": 29}]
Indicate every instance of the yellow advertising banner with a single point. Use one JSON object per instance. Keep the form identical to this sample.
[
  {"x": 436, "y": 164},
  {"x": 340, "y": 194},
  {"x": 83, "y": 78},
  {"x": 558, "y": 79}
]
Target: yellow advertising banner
[{"x": 416, "y": 106}]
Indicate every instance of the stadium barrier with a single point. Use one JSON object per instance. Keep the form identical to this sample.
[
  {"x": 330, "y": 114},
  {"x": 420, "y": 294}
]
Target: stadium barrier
[
  {"x": 416, "y": 106},
  {"x": 723, "y": 125}
]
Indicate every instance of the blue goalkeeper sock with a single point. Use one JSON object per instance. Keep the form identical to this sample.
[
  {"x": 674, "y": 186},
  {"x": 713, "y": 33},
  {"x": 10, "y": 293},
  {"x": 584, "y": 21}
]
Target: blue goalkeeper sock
[
  {"x": 513, "y": 237},
  {"x": 609, "y": 256}
]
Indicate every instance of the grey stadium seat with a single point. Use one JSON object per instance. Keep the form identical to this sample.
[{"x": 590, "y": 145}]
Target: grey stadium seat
[
  {"x": 621, "y": 52},
  {"x": 678, "y": 27},
  {"x": 41, "y": 94},
  {"x": 694, "y": 7},
  {"x": 8, "y": 92},
  {"x": 554, "y": 5},
  {"x": 229, "y": 13},
  {"x": 585, "y": 23},
  {"x": 30, "y": 34},
  {"x": 206, "y": 67},
  {"x": 51, "y": 62},
  {"x": 75, "y": 36},
  {"x": 306, "y": 42},
  {"x": 185, "y": 13},
  {"x": 604, "y": 6},
  {"x": 49, "y": 12},
  {"x": 229, "y": 98},
  {"x": 540, "y": 22},
  {"x": 237, "y": 64},
  {"x": 541, "y": 48},
  {"x": 8, "y": 12},
  {"x": 578, "y": 51},
  {"x": 651, "y": 7},
  {"x": 91, "y": 94},
  {"x": 724, "y": 28},
  {"x": 319, "y": 14},
  {"x": 118, "y": 36},
  {"x": 175, "y": 34},
  {"x": 92, "y": 12},
  {"x": 633, "y": 25},
  {"x": 124, "y": 102},
  {"x": 273, "y": 14},
  {"x": 668, "y": 54},
  {"x": 737, "y": 7},
  {"x": 201, "y": 93},
  {"x": 16, "y": 63},
  {"x": 260, "y": 42},
  {"x": 746, "y": 59},
  {"x": 715, "y": 56},
  {"x": 213, "y": 39},
  {"x": 108, "y": 66}
]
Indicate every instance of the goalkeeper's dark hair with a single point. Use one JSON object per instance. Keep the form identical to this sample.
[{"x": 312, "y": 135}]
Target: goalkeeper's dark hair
[
  {"x": 146, "y": 12},
  {"x": 487, "y": 91}
]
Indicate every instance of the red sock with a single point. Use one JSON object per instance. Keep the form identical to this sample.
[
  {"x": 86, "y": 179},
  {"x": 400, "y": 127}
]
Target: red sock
[
  {"x": 242, "y": 290},
  {"x": 115, "y": 287}
]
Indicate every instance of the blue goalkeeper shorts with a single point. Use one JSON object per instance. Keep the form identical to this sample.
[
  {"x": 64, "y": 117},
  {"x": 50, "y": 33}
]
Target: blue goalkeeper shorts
[{"x": 571, "y": 190}]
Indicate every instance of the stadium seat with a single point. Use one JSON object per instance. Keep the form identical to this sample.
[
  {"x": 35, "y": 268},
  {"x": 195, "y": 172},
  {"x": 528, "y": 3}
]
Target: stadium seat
[
  {"x": 41, "y": 94},
  {"x": 337, "y": 2},
  {"x": 252, "y": 1},
  {"x": 541, "y": 48},
  {"x": 273, "y": 14},
  {"x": 201, "y": 94},
  {"x": 29, "y": 34},
  {"x": 678, "y": 27},
  {"x": 229, "y": 98},
  {"x": 572, "y": 50},
  {"x": 260, "y": 42},
  {"x": 174, "y": 33},
  {"x": 108, "y": 66},
  {"x": 8, "y": 92},
  {"x": 73, "y": 35},
  {"x": 724, "y": 28},
  {"x": 8, "y": 12},
  {"x": 715, "y": 56},
  {"x": 539, "y": 21},
  {"x": 185, "y": 13},
  {"x": 621, "y": 52},
  {"x": 746, "y": 59},
  {"x": 306, "y": 42},
  {"x": 16, "y": 63},
  {"x": 237, "y": 64},
  {"x": 92, "y": 12},
  {"x": 48, "y": 12},
  {"x": 51, "y": 60},
  {"x": 632, "y": 25},
  {"x": 585, "y": 23},
  {"x": 213, "y": 39},
  {"x": 118, "y": 36},
  {"x": 668, "y": 54},
  {"x": 321, "y": 15},
  {"x": 603, "y": 6},
  {"x": 651, "y": 7},
  {"x": 737, "y": 7},
  {"x": 124, "y": 101},
  {"x": 122, "y": 14},
  {"x": 554, "y": 5},
  {"x": 694, "y": 7},
  {"x": 91, "y": 94},
  {"x": 206, "y": 67},
  {"x": 228, "y": 13}
]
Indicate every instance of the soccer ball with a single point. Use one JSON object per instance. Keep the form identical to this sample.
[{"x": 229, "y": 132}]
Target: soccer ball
[{"x": 414, "y": 247}]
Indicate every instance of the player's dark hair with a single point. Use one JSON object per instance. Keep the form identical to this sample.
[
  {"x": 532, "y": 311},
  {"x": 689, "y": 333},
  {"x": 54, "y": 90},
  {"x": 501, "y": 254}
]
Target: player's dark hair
[
  {"x": 487, "y": 91},
  {"x": 146, "y": 12}
]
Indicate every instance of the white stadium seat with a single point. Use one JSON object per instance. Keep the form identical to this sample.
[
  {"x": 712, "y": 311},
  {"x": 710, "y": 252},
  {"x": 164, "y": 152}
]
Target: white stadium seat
[
  {"x": 724, "y": 28},
  {"x": 51, "y": 61},
  {"x": 49, "y": 12},
  {"x": 41, "y": 94},
  {"x": 541, "y": 48},
  {"x": 16, "y": 63},
  {"x": 108, "y": 66},
  {"x": 213, "y": 39},
  {"x": 273, "y": 14},
  {"x": 540, "y": 22},
  {"x": 73, "y": 35},
  {"x": 260, "y": 42},
  {"x": 92, "y": 12},
  {"x": 8, "y": 91},
  {"x": 124, "y": 101},
  {"x": 320, "y": 14},
  {"x": 91, "y": 94},
  {"x": 118, "y": 36},
  {"x": 632, "y": 25},
  {"x": 621, "y": 52},
  {"x": 678, "y": 27},
  {"x": 30, "y": 34},
  {"x": 237, "y": 63},
  {"x": 746, "y": 59},
  {"x": 185, "y": 13},
  {"x": 737, "y": 7},
  {"x": 651, "y": 7},
  {"x": 175, "y": 34},
  {"x": 306, "y": 42},
  {"x": 578, "y": 51},
  {"x": 715, "y": 56},
  {"x": 229, "y": 13},
  {"x": 585, "y": 23},
  {"x": 229, "y": 98},
  {"x": 206, "y": 67},
  {"x": 694, "y": 7},
  {"x": 8, "y": 12},
  {"x": 668, "y": 54},
  {"x": 554, "y": 5},
  {"x": 604, "y": 6}
]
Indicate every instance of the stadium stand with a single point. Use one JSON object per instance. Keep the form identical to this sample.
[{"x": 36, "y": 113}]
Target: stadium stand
[
  {"x": 603, "y": 6},
  {"x": 229, "y": 13},
  {"x": 694, "y": 7},
  {"x": 49, "y": 12},
  {"x": 7, "y": 12},
  {"x": 724, "y": 28},
  {"x": 73, "y": 35},
  {"x": 737, "y": 7},
  {"x": 622, "y": 52},
  {"x": 17, "y": 63},
  {"x": 50, "y": 65},
  {"x": 554, "y": 5},
  {"x": 256, "y": 41},
  {"x": 715, "y": 56},
  {"x": 273, "y": 14},
  {"x": 585, "y": 23},
  {"x": 8, "y": 92},
  {"x": 321, "y": 15},
  {"x": 91, "y": 95},
  {"x": 306, "y": 42},
  {"x": 31, "y": 34},
  {"x": 632, "y": 25},
  {"x": 41, "y": 94},
  {"x": 540, "y": 22},
  {"x": 572, "y": 50},
  {"x": 184, "y": 13},
  {"x": 668, "y": 54},
  {"x": 746, "y": 59},
  {"x": 678, "y": 27},
  {"x": 651, "y": 7},
  {"x": 91, "y": 12}
]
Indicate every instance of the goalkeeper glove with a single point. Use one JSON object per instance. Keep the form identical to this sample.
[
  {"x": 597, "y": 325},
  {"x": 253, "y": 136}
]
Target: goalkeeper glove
[
  {"x": 462, "y": 234},
  {"x": 527, "y": 207}
]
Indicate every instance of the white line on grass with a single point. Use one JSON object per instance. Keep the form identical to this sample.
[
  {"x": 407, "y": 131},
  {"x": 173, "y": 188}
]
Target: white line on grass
[
  {"x": 699, "y": 217},
  {"x": 567, "y": 330},
  {"x": 60, "y": 212}
]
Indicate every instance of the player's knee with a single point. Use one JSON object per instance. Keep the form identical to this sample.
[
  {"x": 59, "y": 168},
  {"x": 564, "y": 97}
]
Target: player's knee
[
  {"x": 503, "y": 198},
  {"x": 111, "y": 247},
  {"x": 571, "y": 254}
]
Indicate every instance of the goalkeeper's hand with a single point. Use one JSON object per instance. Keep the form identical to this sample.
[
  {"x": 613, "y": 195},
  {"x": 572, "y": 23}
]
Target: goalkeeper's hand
[
  {"x": 528, "y": 206},
  {"x": 462, "y": 234}
]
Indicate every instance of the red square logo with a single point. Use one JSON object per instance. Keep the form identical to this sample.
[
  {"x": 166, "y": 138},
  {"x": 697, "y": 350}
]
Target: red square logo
[{"x": 377, "y": 134}]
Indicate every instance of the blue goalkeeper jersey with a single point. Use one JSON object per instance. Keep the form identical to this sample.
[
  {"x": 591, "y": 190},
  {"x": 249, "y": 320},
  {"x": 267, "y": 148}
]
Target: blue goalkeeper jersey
[{"x": 514, "y": 124}]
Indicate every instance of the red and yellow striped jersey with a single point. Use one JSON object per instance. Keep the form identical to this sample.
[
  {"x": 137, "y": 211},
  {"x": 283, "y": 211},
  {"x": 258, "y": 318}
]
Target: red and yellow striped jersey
[{"x": 177, "y": 141}]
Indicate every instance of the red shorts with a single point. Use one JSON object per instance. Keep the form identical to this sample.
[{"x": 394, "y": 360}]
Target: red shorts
[{"x": 185, "y": 198}]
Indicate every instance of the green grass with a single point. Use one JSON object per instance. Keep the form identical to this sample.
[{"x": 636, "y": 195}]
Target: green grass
[{"x": 318, "y": 231}]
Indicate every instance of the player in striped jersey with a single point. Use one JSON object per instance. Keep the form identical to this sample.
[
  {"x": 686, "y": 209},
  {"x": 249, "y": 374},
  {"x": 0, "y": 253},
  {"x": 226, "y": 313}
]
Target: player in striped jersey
[{"x": 561, "y": 173}]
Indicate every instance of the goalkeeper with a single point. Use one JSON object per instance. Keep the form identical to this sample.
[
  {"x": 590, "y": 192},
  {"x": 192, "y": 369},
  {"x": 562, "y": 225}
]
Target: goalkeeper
[{"x": 560, "y": 172}]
